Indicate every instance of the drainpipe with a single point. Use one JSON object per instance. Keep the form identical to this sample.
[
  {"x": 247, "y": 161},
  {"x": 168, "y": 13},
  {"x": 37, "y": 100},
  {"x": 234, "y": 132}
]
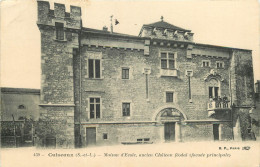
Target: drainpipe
[
  {"x": 231, "y": 103},
  {"x": 80, "y": 81}
]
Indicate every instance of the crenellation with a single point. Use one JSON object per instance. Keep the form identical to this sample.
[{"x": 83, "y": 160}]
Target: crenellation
[
  {"x": 48, "y": 17},
  {"x": 75, "y": 12},
  {"x": 59, "y": 10},
  {"x": 43, "y": 11}
]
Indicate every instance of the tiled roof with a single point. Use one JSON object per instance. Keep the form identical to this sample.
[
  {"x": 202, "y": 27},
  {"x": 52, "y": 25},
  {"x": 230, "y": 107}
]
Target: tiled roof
[
  {"x": 165, "y": 25},
  {"x": 85, "y": 29}
]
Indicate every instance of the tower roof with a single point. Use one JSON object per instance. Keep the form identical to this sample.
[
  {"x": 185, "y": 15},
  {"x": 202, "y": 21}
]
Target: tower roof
[{"x": 165, "y": 25}]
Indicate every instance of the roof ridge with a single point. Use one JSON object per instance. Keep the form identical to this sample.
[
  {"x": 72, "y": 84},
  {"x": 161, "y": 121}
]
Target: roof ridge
[
  {"x": 165, "y": 24},
  {"x": 106, "y": 32}
]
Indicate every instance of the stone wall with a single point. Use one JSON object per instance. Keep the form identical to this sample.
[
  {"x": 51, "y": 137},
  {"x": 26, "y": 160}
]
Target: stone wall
[
  {"x": 130, "y": 132},
  {"x": 12, "y": 98},
  {"x": 57, "y": 82},
  {"x": 124, "y": 133},
  {"x": 242, "y": 86},
  {"x": 56, "y": 122},
  {"x": 113, "y": 90},
  {"x": 244, "y": 78}
]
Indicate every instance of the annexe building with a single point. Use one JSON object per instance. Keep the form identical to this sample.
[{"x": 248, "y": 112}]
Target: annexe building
[
  {"x": 19, "y": 113},
  {"x": 100, "y": 87}
]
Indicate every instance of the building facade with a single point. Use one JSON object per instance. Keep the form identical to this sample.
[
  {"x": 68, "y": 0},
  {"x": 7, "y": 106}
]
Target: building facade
[
  {"x": 101, "y": 88},
  {"x": 19, "y": 112},
  {"x": 255, "y": 113}
]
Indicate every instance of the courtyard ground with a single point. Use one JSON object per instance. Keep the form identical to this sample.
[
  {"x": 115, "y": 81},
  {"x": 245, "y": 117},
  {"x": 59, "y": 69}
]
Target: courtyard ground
[{"x": 201, "y": 154}]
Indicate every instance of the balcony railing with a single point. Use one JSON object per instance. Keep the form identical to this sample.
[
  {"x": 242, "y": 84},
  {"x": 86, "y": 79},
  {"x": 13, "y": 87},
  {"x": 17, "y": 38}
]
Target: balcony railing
[{"x": 216, "y": 105}]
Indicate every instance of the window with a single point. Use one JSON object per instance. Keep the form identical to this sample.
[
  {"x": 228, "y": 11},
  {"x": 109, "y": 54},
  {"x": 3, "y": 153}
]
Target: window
[
  {"x": 125, "y": 73},
  {"x": 104, "y": 136},
  {"x": 143, "y": 140},
  {"x": 21, "y": 107},
  {"x": 167, "y": 60},
  {"x": 205, "y": 63},
  {"x": 220, "y": 65},
  {"x": 146, "y": 139},
  {"x": 213, "y": 92},
  {"x": 94, "y": 68},
  {"x": 165, "y": 32},
  {"x": 94, "y": 108},
  {"x": 126, "y": 109},
  {"x": 59, "y": 31},
  {"x": 169, "y": 97}
]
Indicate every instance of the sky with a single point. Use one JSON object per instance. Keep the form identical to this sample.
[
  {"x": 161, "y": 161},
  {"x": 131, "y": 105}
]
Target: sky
[{"x": 224, "y": 23}]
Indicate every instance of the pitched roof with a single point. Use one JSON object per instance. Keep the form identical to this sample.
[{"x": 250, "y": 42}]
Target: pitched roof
[
  {"x": 165, "y": 25},
  {"x": 85, "y": 29}
]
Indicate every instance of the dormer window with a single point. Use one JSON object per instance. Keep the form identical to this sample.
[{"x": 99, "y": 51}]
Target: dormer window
[
  {"x": 175, "y": 34},
  {"x": 154, "y": 31},
  {"x": 186, "y": 35},
  {"x": 165, "y": 32}
]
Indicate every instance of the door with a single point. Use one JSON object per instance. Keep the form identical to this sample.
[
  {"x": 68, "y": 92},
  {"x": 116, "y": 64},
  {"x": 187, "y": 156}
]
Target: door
[
  {"x": 216, "y": 131},
  {"x": 50, "y": 142},
  {"x": 91, "y": 136},
  {"x": 169, "y": 131}
]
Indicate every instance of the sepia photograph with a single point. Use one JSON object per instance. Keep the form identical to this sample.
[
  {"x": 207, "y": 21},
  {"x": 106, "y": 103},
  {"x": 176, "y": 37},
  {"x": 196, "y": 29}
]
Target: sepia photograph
[{"x": 130, "y": 83}]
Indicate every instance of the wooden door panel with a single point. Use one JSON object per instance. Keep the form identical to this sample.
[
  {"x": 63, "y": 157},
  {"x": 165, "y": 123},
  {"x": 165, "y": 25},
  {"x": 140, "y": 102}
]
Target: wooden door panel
[
  {"x": 216, "y": 131},
  {"x": 91, "y": 136},
  {"x": 169, "y": 131}
]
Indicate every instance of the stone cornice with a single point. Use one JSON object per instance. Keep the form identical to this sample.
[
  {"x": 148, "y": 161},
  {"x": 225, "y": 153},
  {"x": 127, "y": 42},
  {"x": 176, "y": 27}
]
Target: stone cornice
[{"x": 57, "y": 105}]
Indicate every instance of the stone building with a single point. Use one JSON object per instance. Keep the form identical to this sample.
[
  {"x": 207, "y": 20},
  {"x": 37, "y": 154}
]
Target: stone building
[
  {"x": 19, "y": 111},
  {"x": 101, "y": 88},
  {"x": 255, "y": 113}
]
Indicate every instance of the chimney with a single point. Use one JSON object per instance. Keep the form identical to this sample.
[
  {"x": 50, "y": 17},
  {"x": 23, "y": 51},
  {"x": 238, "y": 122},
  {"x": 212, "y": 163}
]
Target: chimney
[
  {"x": 111, "y": 28},
  {"x": 105, "y": 28},
  {"x": 111, "y": 18}
]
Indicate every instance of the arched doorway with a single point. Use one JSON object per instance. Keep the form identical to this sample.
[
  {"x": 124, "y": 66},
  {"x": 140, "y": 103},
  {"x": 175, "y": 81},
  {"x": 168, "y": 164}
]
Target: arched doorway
[{"x": 171, "y": 119}]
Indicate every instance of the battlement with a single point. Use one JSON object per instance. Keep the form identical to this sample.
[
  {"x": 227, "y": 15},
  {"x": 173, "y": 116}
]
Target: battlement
[{"x": 47, "y": 16}]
